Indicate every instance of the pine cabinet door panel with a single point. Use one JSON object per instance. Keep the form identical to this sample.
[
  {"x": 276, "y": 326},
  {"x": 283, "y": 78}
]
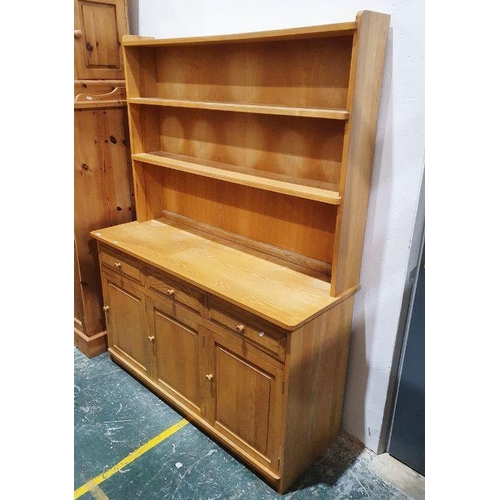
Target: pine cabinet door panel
[
  {"x": 177, "y": 352},
  {"x": 243, "y": 399},
  {"x": 247, "y": 396},
  {"x": 126, "y": 317},
  {"x": 99, "y": 28}
]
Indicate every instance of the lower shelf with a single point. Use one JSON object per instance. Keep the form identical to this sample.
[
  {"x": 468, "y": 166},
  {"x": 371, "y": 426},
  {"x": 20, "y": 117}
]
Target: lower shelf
[{"x": 310, "y": 190}]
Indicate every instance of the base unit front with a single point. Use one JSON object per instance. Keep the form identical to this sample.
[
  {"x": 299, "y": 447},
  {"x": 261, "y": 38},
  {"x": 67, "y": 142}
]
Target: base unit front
[{"x": 252, "y": 386}]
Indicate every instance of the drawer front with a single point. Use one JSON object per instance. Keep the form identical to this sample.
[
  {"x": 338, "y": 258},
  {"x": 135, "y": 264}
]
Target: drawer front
[
  {"x": 121, "y": 264},
  {"x": 175, "y": 290},
  {"x": 249, "y": 327}
]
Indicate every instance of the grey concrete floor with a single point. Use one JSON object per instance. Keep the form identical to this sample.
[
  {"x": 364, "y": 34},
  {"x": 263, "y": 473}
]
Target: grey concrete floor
[{"x": 114, "y": 415}]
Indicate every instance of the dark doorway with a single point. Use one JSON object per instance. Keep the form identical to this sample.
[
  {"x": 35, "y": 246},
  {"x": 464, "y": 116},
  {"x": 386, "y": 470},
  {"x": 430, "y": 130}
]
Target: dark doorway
[{"x": 407, "y": 439}]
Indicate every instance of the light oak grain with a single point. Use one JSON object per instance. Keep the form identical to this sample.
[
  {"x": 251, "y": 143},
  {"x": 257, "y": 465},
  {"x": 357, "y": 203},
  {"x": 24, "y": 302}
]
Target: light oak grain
[
  {"x": 228, "y": 173},
  {"x": 359, "y": 146},
  {"x": 251, "y": 160},
  {"x": 248, "y": 281},
  {"x": 331, "y": 114},
  {"x": 327, "y": 30}
]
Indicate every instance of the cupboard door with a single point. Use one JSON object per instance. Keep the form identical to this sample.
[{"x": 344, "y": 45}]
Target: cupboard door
[
  {"x": 176, "y": 340},
  {"x": 247, "y": 398},
  {"x": 99, "y": 28},
  {"x": 125, "y": 309}
]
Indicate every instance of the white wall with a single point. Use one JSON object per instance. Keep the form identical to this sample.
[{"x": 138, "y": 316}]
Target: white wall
[{"x": 398, "y": 166}]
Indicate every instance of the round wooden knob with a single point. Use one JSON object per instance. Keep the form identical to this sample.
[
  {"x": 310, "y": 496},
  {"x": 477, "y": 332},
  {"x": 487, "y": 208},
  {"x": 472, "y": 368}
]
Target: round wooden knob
[
  {"x": 240, "y": 328},
  {"x": 170, "y": 292},
  {"x": 105, "y": 308},
  {"x": 209, "y": 376},
  {"x": 78, "y": 34}
]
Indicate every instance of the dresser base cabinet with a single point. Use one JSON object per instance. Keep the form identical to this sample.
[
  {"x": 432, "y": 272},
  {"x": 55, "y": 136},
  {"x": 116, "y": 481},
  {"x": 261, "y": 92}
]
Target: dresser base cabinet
[
  {"x": 231, "y": 295},
  {"x": 275, "y": 400}
]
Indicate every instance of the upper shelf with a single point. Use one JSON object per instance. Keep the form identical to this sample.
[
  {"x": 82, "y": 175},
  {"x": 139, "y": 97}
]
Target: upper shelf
[
  {"x": 310, "y": 190},
  {"x": 331, "y": 114},
  {"x": 326, "y": 30}
]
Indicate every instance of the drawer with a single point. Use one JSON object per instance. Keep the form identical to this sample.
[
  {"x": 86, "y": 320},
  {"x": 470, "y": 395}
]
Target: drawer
[
  {"x": 250, "y": 327},
  {"x": 122, "y": 264},
  {"x": 175, "y": 291}
]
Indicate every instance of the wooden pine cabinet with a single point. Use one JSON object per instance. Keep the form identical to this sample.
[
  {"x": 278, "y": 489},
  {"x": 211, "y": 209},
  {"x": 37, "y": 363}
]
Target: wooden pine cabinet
[
  {"x": 231, "y": 295},
  {"x": 99, "y": 28},
  {"x": 103, "y": 194}
]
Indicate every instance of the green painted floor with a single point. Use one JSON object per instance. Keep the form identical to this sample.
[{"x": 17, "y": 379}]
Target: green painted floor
[{"x": 115, "y": 415}]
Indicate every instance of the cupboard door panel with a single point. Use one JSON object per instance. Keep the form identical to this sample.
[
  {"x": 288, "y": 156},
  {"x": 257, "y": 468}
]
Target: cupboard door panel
[
  {"x": 177, "y": 349},
  {"x": 126, "y": 318},
  {"x": 247, "y": 398},
  {"x": 243, "y": 399},
  {"x": 99, "y": 28}
]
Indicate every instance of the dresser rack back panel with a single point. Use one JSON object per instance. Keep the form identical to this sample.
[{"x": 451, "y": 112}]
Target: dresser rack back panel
[
  {"x": 308, "y": 149},
  {"x": 252, "y": 73},
  {"x": 251, "y": 158},
  {"x": 301, "y": 226},
  {"x": 265, "y": 112}
]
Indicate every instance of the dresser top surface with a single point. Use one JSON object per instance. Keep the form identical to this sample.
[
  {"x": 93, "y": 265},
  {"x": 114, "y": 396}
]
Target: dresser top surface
[{"x": 248, "y": 279}]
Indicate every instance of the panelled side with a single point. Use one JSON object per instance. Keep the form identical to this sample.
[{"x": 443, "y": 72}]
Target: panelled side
[
  {"x": 315, "y": 381},
  {"x": 102, "y": 196},
  {"x": 359, "y": 145}
]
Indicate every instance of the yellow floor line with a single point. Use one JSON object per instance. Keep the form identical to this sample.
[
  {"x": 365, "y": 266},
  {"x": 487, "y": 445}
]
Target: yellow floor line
[{"x": 130, "y": 458}]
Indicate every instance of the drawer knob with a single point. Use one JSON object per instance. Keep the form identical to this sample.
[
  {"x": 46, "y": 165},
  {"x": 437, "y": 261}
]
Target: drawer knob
[
  {"x": 209, "y": 377},
  {"x": 78, "y": 34},
  {"x": 118, "y": 265},
  {"x": 105, "y": 308},
  {"x": 240, "y": 328},
  {"x": 261, "y": 334},
  {"x": 151, "y": 338},
  {"x": 170, "y": 292}
]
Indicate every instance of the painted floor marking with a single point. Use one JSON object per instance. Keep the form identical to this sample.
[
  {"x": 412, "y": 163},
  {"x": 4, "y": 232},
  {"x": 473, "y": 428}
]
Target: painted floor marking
[{"x": 89, "y": 485}]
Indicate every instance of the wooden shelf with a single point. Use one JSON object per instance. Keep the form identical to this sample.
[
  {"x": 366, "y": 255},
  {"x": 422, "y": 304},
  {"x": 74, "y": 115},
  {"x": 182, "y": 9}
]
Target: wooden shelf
[
  {"x": 246, "y": 177},
  {"x": 326, "y": 30},
  {"x": 330, "y": 114},
  {"x": 247, "y": 279}
]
